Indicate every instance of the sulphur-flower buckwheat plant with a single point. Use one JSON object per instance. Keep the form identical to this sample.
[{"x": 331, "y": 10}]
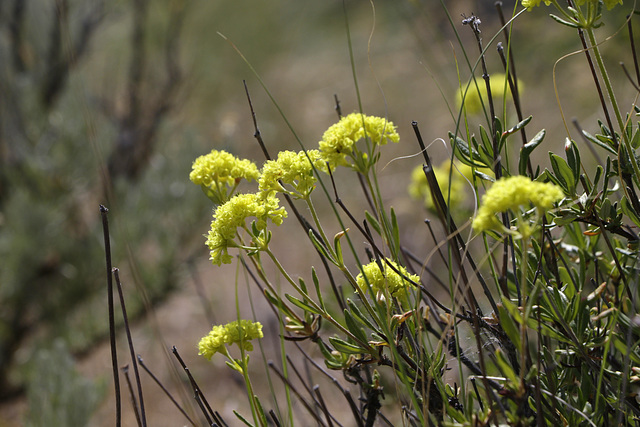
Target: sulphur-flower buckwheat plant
[
  {"x": 339, "y": 141},
  {"x": 513, "y": 193},
  {"x": 239, "y": 332},
  {"x": 387, "y": 282},
  {"x": 219, "y": 173},
  {"x": 291, "y": 169},
  {"x": 231, "y": 215}
]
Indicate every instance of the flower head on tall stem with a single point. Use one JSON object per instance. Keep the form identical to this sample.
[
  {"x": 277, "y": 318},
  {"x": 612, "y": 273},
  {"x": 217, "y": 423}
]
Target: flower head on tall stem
[
  {"x": 239, "y": 332},
  {"x": 513, "y": 193},
  {"x": 339, "y": 141},
  {"x": 295, "y": 170},
  {"x": 387, "y": 282},
  {"x": 233, "y": 214},
  {"x": 219, "y": 173}
]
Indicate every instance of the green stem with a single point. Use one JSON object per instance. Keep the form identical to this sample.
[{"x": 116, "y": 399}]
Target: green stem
[
  {"x": 614, "y": 105},
  {"x": 523, "y": 286},
  {"x": 313, "y": 304},
  {"x": 318, "y": 225}
]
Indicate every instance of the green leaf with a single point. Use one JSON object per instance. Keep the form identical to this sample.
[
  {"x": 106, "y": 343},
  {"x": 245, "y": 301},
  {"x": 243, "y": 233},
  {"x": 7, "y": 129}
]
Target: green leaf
[
  {"x": 321, "y": 248},
  {"x": 507, "y": 322},
  {"x": 353, "y": 327},
  {"x": 628, "y": 210},
  {"x": 243, "y": 419},
  {"x": 635, "y": 141},
  {"x": 573, "y": 158},
  {"x": 621, "y": 346},
  {"x": 484, "y": 176},
  {"x": 466, "y": 155},
  {"x": 316, "y": 283},
  {"x": 487, "y": 142},
  {"x": 505, "y": 367},
  {"x": 395, "y": 232},
  {"x": 277, "y": 302},
  {"x": 337, "y": 246},
  {"x": 527, "y": 149},
  {"x": 600, "y": 143},
  {"x": 563, "y": 21},
  {"x": 355, "y": 311},
  {"x": 563, "y": 172},
  {"x": 519, "y": 126},
  {"x": 372, "y": 222},
  {"x": 302, "y": 304},
  {"x": 303, "y": 285},
  {"x": 345, "y": 347}
]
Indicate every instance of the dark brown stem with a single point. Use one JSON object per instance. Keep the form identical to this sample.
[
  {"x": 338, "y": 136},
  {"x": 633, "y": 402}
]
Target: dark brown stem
[
  {"x": 208, "y": 413},
  {"x": 112, "y": 323},
  {"x": 132, "y": 352},
  {"x": 132, "y": 395},
  {"x": 166, "y": 392}
]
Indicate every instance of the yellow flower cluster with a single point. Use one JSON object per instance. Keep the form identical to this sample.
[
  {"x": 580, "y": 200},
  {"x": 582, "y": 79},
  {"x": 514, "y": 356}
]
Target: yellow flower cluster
[
  {"x": 238, "y": 332},
  {"x": 233, "y": 214},
  {"x": 339, "y": 140},
  {"x": 293, "y": 169},
  {"x": 389, "y": 280},
  {"x": 474, "y": 98},
  {"x": 610, "y": 4},
  {"x": 530, "y": 4},
  {"x": 511, "y": 193},
  {"x": 220, "y": 172}
]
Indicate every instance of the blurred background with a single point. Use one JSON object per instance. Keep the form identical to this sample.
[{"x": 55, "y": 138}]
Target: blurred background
[{"x": 109, "y": 102}]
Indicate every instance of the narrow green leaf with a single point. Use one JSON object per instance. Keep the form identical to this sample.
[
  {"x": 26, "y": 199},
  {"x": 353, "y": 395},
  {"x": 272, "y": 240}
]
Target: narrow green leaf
[
  {"x": 337, "y": 246},
  {"x": 395, "y": 231},
  {"x": 507, "y": 322},
  {"x": 353, "y": 327},
  {"x": 600, "y": 143},
  {"x": 505, "y": 367},
  {"x": 527, "y": 149},
  {"x": 316, "y": 283},
  {"x": 465, "y": 154},
  {"x": 358, "y": 314},
  {"x": 320, "y": 247},
  {"x": 345, "y": 347},
  {"x": 628, "y": 210},
  {"x": 487, "y": 142},
  {"x": 519, "y": 126},
  {"x": 243, "y": 419},
  {"x": 563, "y": 21},
  {"x": 563, "y": 172},
  {"x": 635, "y": 141},
  {"x": 372, "y": 222},
  {"x": 303, "y": 285},
  {"x": 301, "y": 304},
  {"x": 573, "y": 158}
]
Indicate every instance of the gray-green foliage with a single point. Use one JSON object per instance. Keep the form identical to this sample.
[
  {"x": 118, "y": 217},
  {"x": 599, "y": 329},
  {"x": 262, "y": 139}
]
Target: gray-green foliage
[{"x": 57, "y": 394}]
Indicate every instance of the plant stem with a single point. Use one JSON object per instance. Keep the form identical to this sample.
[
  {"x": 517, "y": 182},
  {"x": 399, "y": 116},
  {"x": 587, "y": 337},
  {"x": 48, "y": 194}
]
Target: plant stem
[{"x": 614, "y": 105}]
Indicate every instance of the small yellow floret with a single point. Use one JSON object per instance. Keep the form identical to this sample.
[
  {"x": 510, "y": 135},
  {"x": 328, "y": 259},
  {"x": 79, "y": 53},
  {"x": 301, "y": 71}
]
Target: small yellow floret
[
  {"x": 293, "y": 169},
  {"x": 389, "y": 281},
  {"x": 219, "y": 172},
  {"x": 511, "y": 193},
  {"x": 238, "y": 332},
  {"x": 339, "y": 140},
  {"x": 530, "y": 4},
  {"x": 233, "y": 214}
]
